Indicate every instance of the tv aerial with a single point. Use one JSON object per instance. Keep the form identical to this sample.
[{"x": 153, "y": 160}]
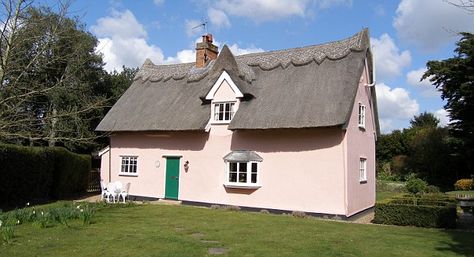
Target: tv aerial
[{"x": 202, "y": 24}]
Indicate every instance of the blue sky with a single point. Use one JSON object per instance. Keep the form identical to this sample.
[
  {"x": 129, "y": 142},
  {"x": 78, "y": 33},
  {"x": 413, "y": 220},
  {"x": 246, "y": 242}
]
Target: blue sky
[{"x": 404, "y": 35}]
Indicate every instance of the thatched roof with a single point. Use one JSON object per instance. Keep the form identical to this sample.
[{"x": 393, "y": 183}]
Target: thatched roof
[{"x": 307, "y": 87}]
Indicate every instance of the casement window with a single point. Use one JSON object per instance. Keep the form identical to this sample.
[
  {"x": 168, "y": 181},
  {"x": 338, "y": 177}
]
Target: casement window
[
  {"x": 223, "y": 112},
  {"x": 362, "y": 169},
  {"x": 242, "y": 172},
  {"x": 242, "y": 169},
  {"x": 361, "y": 115},
  {"x": 129, "y": 165}
]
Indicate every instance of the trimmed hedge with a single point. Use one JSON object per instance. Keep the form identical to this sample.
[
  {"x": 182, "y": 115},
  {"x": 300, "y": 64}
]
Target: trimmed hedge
[
  {"x": 420, "y": 212},
  {"x": 31, "y": 174}
]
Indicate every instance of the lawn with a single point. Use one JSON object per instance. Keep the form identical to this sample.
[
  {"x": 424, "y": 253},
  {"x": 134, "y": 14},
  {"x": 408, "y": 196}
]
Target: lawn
[{"x": 163, "y": 230}]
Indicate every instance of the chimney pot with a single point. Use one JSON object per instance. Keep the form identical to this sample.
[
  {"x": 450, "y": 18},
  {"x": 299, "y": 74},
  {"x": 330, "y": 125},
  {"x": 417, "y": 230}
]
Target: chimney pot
[{"x": 205, "y": 51}]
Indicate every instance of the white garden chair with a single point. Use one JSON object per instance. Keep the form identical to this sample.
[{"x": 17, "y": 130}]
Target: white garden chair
[
  {"x": 124, "y": 193},
  {"x": 103, "y": 190},
  {"x": 111, "y": 192}
]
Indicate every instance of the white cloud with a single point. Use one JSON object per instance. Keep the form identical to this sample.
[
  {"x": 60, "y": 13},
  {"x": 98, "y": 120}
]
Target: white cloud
[
  {"x": 395, "y": 106},
  {"x": 431, "y": 23},
  {"x": 427, "y": 89},
  {"x": 122, "y": 41},
  {"x": 189, "y": 55},
  {"x": 389, "y": 61},
  {"x": 236, "y": 50},
  {"x": 158, "y": 2},
  {"x": 218, "y": 18},
  {"x": 119, "y": 24},
  {"x": 182, "y": 57},
  {"x": 263, "y": 10},
  {"x": 442, "y": 115}
]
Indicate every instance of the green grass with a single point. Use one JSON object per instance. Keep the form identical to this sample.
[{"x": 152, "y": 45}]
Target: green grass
[
  {"x": 385, "y": 195},
  {"x": 162, "y": 230}
]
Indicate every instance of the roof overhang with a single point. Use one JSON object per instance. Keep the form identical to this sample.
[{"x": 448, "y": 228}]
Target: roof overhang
[
  {"x": 242, "y": 156},
  {"x": 224, "y": 76}
]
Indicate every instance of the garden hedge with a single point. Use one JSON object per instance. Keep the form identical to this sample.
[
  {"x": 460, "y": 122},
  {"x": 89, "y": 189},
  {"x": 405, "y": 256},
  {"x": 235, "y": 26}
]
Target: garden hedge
[
  {"x": 31, "y": 174},
  {"x": 417, "y": 211}
]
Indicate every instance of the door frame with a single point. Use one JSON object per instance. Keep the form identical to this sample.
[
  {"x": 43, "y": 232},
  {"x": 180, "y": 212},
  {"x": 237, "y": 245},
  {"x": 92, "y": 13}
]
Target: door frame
[{"x": 171, "y": 156}]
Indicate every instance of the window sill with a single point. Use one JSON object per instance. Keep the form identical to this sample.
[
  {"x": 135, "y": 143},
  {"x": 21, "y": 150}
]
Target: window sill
[
  {"x": 220, "y": 122},
  {"x": 363, "y": 181},
  {"x": 362, "y": 127},
  {"x": 243, "y": 186},
  {"x": 128, "y": 175}
]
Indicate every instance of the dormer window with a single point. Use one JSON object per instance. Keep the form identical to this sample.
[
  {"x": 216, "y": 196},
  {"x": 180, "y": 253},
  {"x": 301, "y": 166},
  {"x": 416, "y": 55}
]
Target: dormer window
[{"x": 223, "y": 112}]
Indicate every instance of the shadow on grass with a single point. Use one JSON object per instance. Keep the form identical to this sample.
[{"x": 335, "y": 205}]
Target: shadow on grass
[
  {"x": 462, "y": 239},
  {"x": 462, "y": 243}
]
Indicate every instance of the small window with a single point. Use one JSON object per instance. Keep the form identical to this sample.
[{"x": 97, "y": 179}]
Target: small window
[
  {"x": 129, "y": 165},
  {"x": 224, "y": 111},
  {"x": 362, "y": 170},
  {"x": 242, "y": 173},
  {"x": 361, "y": 115}
]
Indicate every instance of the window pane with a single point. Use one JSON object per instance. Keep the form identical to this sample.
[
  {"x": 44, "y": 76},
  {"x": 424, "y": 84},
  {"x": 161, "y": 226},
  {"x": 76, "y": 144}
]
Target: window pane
[
  {"x": 254, "y": 177},
  {"x": 227, "y": 116},
  {"x": 227, "y": 107},
  {"x": 242, "y": 166},
  {"x": 254, "y": 167},
  {"x": 232, "y": 177},
  {"x": 232, "y": 166},
  {"x": 243, "y": 177},
  {"x": 221, "y": 116},
  {"x": 221, "y": 107}
]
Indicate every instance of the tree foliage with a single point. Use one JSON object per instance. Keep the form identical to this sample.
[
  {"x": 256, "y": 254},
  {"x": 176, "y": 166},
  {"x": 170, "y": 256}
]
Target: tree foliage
[
  {"x": 424, "y": 120},
  {"x": 424, "y": 149},
  {"x": 54, "y": 90},
  {"x": 454, "y": 77},
  {"x": 49, "y": 74}
]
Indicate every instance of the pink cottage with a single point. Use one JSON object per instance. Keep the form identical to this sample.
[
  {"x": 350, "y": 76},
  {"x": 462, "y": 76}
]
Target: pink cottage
[{"x": 287, "y": 130}]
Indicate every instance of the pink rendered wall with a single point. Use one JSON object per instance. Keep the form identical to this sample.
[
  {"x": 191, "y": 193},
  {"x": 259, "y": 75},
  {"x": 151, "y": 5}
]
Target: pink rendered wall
[
  {"x": 360, "y": 143},
  {"x": 301, "y": 169}
]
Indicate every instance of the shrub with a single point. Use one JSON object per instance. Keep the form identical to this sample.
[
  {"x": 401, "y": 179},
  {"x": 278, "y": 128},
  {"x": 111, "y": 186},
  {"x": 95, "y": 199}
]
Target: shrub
[
  {"x": 299, "y": 214},
  {"x": 417, "y": 211},
  {"x": 232, "y": 208},
  {"x": 464, "y": 184},
  {"x": 415, "y": 185},
  {"x": 40, "y": 173},
  {"x": 387, "y": 176},
  {"x": 431, "y": 189}
]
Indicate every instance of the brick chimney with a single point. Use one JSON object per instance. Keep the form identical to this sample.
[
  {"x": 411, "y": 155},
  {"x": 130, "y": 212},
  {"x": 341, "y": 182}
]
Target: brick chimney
[{"x": 205, "y": 51}]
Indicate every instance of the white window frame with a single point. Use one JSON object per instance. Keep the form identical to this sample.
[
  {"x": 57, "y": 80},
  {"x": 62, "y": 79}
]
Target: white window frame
[
  {"x": 362, "y": 169},
  {"x": 245, "y": 185},
  {"x": 129, "y": 166},
  {"x": 233, "y": 110},
  {"x": 361, "y": 116}
]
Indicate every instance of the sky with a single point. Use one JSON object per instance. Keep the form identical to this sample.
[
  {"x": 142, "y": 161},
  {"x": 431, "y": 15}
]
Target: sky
[{"x": 404, "y": 35}]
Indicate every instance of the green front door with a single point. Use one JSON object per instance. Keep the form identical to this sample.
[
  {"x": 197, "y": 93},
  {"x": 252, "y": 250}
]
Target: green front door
[{"x": 172, "y": 178}]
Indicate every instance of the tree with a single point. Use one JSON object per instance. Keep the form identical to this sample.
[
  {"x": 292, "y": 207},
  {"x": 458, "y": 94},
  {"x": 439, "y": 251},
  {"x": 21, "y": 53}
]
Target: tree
[
  {"x": 467, "y": 5},
  {"x": 49, "y": 76},
  {"x": 425, "y": 119},
  {"x": 454, "y": 77}
]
